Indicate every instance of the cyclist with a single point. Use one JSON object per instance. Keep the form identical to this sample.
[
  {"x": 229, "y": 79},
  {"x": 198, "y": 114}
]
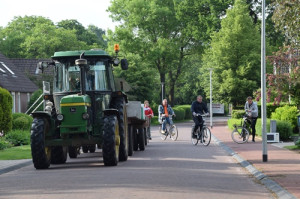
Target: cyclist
[
  {"x": 198, "y": 107},
  {"x": 252, "y": 111},
  {"x": 164, "y": 113}
]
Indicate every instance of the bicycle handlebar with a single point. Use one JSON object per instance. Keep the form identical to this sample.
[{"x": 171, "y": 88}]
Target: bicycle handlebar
[{"x": 203, "y": 115}]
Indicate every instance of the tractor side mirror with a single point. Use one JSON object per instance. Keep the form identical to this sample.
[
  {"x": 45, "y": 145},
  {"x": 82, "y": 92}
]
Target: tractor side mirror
[
  {"x": 42, "y": 65},
  {"x": 124, "y": 64}
]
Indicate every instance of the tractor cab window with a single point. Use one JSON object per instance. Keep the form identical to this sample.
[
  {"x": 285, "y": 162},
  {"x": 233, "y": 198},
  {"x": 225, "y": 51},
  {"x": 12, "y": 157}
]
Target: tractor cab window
[
  {"x": 97, "y": 77},
  {"x": 67, "y": 76}
]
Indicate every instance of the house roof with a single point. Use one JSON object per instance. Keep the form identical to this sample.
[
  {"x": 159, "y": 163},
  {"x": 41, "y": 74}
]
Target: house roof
[
  {"x": 28, "y": 66},
  {"x": 13, "y": 79}
]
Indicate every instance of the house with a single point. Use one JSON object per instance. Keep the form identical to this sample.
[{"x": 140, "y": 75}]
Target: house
[{"x": 15, "y": 81}]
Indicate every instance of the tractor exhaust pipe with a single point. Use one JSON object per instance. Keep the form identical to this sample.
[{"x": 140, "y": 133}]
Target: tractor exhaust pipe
[{"x": 82, "y": 63}]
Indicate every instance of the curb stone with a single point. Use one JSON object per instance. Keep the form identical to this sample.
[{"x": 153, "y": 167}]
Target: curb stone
[
  {"x": 14, "y": 166},
  {"x": 270, "y": 184}
]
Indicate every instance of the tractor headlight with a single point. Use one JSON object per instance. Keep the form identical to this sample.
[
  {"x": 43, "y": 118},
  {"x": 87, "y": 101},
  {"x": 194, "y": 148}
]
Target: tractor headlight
[
  {"x": 85, "y": 116},
  {"x": 60, "y": 117}
]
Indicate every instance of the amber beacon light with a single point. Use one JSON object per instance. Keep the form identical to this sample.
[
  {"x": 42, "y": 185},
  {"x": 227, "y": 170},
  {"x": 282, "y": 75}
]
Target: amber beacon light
[{"x": 117, "y": 48}]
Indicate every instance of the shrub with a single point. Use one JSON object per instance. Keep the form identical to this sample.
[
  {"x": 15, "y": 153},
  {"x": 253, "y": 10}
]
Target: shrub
[
  {"x": 18, "y": 137},
  {"x": 5, "y": 110},
  {"x": 297, "y": 143},
  {"x": 288, "y": 114},
  {"x": 187, "y": 109},
  {"x": 21, "y": 121},
  {"x": 237, "y": 114},
  {"x": 284, "y": 129},
  {"x": 258, "y": 127},
  {"x": 4, "y": 144},
  {"x": 180, "y": 113},
  {"x": 231, "y": 122}
]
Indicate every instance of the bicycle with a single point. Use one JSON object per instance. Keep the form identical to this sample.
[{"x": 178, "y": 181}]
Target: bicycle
[
  {"x": 241, "y": 134},
  {"x": 203, "y": 135},
  {"x": 171, "y": 130}
]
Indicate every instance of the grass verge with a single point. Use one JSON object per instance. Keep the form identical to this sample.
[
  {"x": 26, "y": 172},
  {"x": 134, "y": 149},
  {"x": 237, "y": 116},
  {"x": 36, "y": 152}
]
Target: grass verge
[
  {"x": 294, "y": 147},
  {"x": 16, "y": 153}
]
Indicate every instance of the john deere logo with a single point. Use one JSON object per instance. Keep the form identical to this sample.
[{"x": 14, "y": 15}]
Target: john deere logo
[{"x": 72, "y": 110}]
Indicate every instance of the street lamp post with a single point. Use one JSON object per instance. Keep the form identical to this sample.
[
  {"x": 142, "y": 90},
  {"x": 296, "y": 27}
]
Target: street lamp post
[
  {"x": 210, "y": 96},
  {"x": 263, "y": 86}
]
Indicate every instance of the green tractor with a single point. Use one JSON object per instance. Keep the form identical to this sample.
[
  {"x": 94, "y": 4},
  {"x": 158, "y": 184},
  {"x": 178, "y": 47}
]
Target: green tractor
[{"x": 85, "y": 109}]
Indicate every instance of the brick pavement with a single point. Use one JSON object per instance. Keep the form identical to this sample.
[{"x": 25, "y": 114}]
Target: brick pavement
[{"x": 283, "y": 166}]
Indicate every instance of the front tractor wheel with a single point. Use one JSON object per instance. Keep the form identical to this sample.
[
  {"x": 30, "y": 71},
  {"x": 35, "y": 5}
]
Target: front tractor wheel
[
  {"x": 111, "y": 141},
  {"x": 41, "y": 155}
]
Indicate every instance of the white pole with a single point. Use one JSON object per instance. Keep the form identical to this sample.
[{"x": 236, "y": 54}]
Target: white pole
[
  {"x": 210, "y": 104},
  {"x": 263, "y": 86}
]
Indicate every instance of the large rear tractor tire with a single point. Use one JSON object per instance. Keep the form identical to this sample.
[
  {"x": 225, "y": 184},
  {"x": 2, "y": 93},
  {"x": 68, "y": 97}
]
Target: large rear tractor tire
[
  {"x": 111, "y": 141},
  {"x": 59, "y": 155},
  {"x": 119, "y": 104},
  {"x": 41, "y": 155},
  {"x": 85, "y": 149}
]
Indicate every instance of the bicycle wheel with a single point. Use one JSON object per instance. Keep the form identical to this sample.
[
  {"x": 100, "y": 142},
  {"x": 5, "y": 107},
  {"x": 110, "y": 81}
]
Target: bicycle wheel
[
  {"x": 195, "y": 139},
  {"x": 162, "y": 136},
  {"x": 174, "y": 133},
  {"x": 206, "y": 136},
  {"x": 240, "y": 135}
]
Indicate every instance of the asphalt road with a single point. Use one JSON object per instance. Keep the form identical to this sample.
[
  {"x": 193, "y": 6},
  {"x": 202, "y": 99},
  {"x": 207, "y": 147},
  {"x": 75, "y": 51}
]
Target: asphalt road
[{"x": 166, "y": 169}]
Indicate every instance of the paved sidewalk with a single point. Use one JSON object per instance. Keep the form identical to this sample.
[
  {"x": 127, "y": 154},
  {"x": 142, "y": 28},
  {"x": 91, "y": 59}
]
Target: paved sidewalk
[{"x": 281, "y": 173}]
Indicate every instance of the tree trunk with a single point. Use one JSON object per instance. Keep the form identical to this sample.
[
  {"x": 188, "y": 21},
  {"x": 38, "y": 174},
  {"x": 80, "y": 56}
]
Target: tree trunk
[{"x": 163, "y": 85}]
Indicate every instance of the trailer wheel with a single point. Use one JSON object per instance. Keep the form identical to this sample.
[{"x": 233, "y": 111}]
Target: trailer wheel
[
  {"x": 41, "y": 155},
  {"x": 119, "y": 104},
  {"x": 141, "y": 139},
  {"x": 85, "y": 149},
  {"x": 73, "y": 151},
  {"x": 135, "y": 139},
  {"x": 111, "y": 141},
  {"x": 59, "y": 155},
  {"x": 92, "y": 148},
  {"x": 130, "y": 140}
]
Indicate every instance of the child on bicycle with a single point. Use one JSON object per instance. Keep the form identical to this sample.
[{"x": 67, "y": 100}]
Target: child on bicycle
[
  {"x": 165, "y": 113},
  {"x": 198, "y": 107}
]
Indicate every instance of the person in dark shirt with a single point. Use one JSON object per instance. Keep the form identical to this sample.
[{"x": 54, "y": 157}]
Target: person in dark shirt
[{"x": 198, "y": 107}]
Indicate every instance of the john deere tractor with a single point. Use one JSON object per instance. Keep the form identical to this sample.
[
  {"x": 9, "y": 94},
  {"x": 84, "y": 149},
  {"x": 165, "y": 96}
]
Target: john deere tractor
[{"x": 85, "y": 109}]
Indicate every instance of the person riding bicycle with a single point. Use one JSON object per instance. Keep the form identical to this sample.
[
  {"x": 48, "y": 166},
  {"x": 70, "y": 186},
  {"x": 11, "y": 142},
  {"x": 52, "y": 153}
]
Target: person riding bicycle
[
  {"x": 165, "y": 113},
  {"x": 198, "y": 107},
  {"x": 252, "y": 111}
]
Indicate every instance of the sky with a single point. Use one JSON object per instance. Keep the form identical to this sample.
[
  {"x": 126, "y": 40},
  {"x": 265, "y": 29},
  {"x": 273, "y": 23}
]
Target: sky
[{"x": 86, "y": 12}]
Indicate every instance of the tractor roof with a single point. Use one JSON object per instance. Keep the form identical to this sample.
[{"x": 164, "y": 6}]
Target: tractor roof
[{"x": 77, "y": 53}]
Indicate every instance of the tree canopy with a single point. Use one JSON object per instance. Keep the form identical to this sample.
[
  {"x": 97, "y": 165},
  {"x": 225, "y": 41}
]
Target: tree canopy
[{"x": 234, "y": 56}]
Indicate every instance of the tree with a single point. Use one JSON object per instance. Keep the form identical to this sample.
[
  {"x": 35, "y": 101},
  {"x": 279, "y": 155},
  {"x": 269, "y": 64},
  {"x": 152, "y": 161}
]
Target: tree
[
  {"x": 235, "y": 57},
  {"x": 164, "y": 33},
  {"x": 5, "y": 110},
  {"x": 91, "y": 36},
  {"x": 286, "y": 18},
  {"x": 286, "y": 80},
  {"x": 36, "y": 37}
]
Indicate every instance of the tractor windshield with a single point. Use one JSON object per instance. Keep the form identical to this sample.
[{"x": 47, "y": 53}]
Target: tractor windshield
[{"x": 67, "y": 76}]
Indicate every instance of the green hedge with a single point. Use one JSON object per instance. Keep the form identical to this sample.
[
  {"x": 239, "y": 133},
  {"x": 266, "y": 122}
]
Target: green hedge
[
  {"x": 179, "y": 112},
  {"x": 21, "y": 121},
  {"x": 187, "y": 109},
  {"x": 288, "y": 114},
  {"x": 237, "y": 114},
  {"x": 5, "y": 110},
  {"x": 18, "y": 137},
  {"x": 4, "y": 144}
]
